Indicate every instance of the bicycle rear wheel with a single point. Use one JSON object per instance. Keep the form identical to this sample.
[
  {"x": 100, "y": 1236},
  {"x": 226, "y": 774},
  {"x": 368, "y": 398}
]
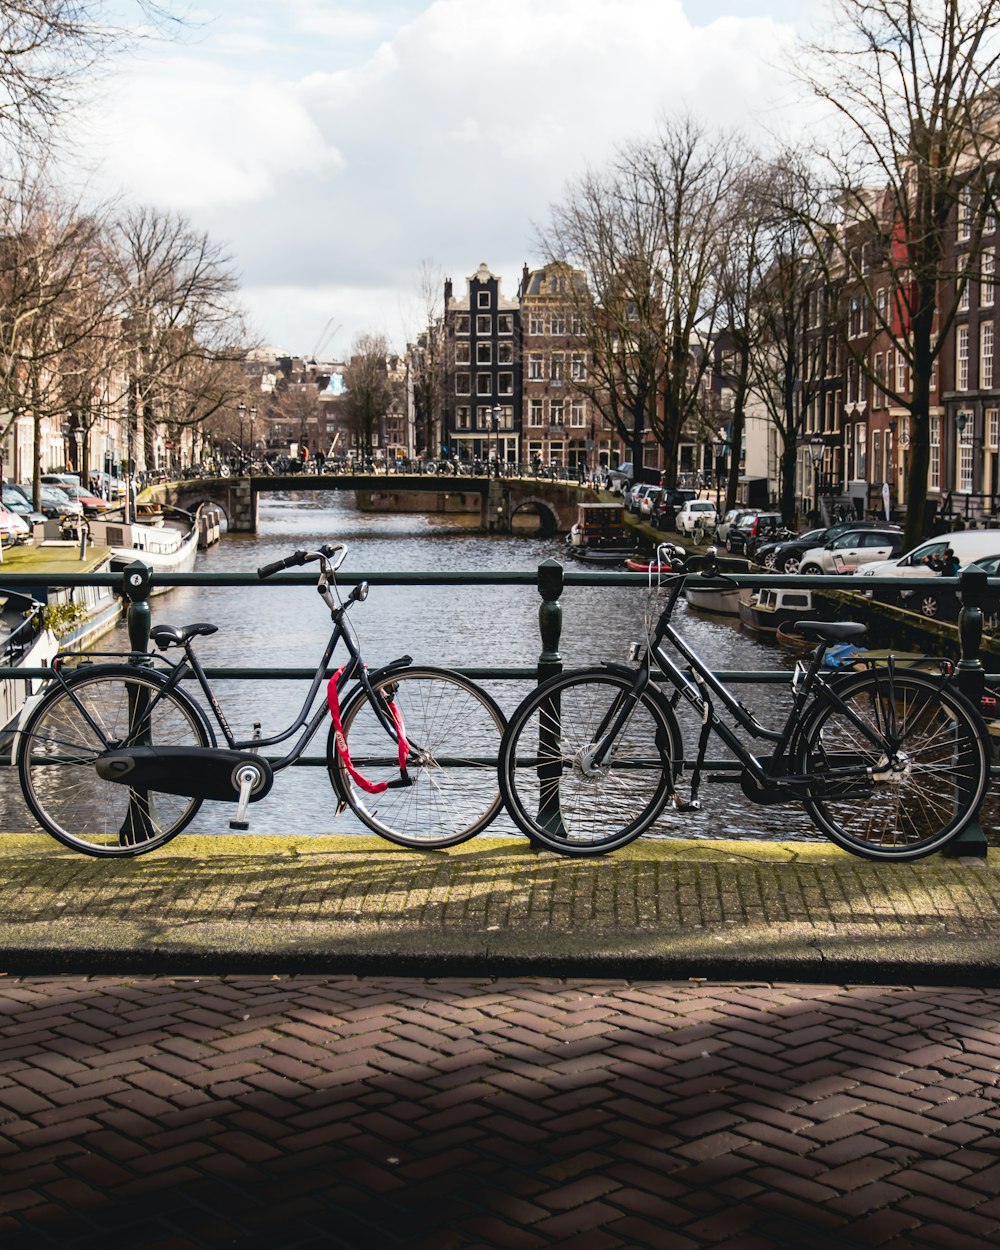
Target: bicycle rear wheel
[
  {"x": 454, "y": 730},
  {"x": 894, "y": 805},
  {"x": 74, "y": 724},
  {"x": 560, "y": 799}
]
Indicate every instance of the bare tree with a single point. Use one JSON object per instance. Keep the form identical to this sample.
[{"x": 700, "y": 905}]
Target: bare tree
[
  {"x": 176, "y": 289},
  {"x": 428, "y": 360},
  {"x": 48, "y": 48},
  {"x": 914, "y": 84},
  {"x": 370, "y": 392}
]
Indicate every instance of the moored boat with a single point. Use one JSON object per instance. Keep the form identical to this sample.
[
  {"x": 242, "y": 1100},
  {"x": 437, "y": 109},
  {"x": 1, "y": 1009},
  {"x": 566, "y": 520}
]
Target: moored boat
[
  {"x": 724, "y": 601},
  {"x": 168, "y": 544},
  {"x": 764, "y": 610},
  {"x": 24, "y": 643},
  {"x": 600, "y": 535}
]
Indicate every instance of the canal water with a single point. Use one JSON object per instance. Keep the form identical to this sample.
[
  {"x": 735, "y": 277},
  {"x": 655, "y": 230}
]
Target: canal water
[{"x": 455, "y": 626}]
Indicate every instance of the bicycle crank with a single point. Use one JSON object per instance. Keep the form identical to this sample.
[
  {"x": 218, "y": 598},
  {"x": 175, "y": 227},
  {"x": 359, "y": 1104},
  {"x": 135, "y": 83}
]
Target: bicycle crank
[{"x": 193, "y": 772}]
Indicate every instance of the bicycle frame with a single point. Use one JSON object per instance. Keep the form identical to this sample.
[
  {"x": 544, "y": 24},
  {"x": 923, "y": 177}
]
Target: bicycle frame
[
  {"x": 699, "y": 689},
  {"x": 342, "y": 632}
]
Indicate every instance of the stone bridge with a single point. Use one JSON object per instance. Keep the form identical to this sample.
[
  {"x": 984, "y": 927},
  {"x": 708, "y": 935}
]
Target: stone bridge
[{"x": 497, "y": 500}]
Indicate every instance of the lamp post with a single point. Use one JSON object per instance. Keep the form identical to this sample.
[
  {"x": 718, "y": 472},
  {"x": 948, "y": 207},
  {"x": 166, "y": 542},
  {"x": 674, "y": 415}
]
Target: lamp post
[
  {"x": 251, "y": 412},
  {"x": 495, "y": 414},
  {"x": 816, "y": 449}
]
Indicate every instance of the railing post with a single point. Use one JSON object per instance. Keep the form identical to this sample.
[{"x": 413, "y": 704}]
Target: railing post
[
  {"x": 136, "y": 580},
  {"x": 971, "y": 842},
  {"x": 550, "y": 585}
]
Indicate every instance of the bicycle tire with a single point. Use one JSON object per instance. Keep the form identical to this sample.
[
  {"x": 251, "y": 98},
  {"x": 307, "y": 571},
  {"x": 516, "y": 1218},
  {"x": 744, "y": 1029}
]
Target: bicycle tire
[
  {"x": 923, "y": 800},
  {"x": 455, "y": 727},
  {"x": 72, "y": 725},
  {"x": 544, "y": 784}
]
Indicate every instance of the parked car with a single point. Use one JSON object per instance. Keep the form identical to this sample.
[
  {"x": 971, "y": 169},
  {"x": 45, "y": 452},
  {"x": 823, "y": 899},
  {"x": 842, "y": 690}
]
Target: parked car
[
  {"x": 60, "y": 479},
  {"x": 697, "y": 513},
  {"x": 17, "y": 502},
  {"x": 55, "y": 503},
  {"x": 732, "y": 517},
  {"x": 968, "y": 546},
  {"x": 633, "y": 500},
  {"x": 751, "y": 531},
  {"x": 784, "y": 556},
  {"x": 13, "y": 529},
  {"x": 92, "y": 505},
  {"x": 848, "y": 551},
  {"x": 620, "y": 478}
]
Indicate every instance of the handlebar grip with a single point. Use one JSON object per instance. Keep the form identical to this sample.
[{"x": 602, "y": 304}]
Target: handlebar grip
[{"x": 268, "y": 570}]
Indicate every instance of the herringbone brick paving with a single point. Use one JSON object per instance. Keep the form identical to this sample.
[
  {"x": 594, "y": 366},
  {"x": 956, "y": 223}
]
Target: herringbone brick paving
[{"x": 173, "y": 1113}]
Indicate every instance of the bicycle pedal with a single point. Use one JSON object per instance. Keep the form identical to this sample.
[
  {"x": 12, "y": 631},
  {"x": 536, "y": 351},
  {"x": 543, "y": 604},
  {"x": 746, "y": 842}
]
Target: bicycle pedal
[
  {"x": 241, "y": 825},
  {"x": 682, "y": 805}
]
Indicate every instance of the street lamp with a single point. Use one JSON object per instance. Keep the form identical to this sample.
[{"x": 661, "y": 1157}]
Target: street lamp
[
  {"x": 243, "y": 411},
  {"x": 961, "y": 423},
  {"x": 816, "y": 448},
  {"x": 495, "y": 413}
]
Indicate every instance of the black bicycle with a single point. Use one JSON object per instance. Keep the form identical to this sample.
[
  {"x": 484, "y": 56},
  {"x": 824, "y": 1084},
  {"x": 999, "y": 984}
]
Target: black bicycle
[
  {"x": 116, "y": 758},
  {"x": 890, "y": 762}
]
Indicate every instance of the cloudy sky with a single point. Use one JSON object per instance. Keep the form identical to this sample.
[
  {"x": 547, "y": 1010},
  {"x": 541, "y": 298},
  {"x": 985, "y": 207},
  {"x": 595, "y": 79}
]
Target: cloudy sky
[{"x": 333, "y": 146}]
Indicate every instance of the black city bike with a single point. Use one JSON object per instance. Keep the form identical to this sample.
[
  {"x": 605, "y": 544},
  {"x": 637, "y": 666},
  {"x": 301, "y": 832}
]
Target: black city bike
[
  {"x": 890, "y": 762},
  {"x": 116, "y": 758}
]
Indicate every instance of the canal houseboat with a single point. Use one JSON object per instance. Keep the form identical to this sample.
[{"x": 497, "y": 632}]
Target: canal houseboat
[
  {"x": 762, "y": 611},
  {"x": 600, "y": 535},
  {"x": 166, "y": 541},
  {"x": 723, "y": 600}
]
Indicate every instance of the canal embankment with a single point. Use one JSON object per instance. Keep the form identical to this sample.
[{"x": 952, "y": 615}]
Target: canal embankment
[{"x": 728, "y": 909}]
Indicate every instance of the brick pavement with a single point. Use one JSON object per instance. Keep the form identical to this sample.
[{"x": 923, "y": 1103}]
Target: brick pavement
[{"x": 167, "y": 1113}]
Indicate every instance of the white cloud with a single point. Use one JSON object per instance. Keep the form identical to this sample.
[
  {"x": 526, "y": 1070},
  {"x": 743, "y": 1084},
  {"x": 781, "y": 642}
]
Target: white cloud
[{"x": 445, "y": 140}]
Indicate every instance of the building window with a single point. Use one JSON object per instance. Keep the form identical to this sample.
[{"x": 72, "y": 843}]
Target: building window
[
  {"x": 558, "y": 369},
  {"x": 986, "y": 356},
  {"x": 577, "y": 368},
  {"x": 576, "y": 414},
  {"x": 505, "y": 323},
  {"x": 862, "y": 387},
  {"x": 484, "y": 353},
  {"x": 993, "y": 428},
  {"x": 902, "y": 370},
  {"x": 463, "y": 384},
  {"x": 535, "y": 412},
  {"x": 484, "y": 384},
  {"x": 505, "y": 353},
  {"x": 877, "y": 396},
  {"x": 462, "y": 322},
  {"x": 484, "y": 300},
  {"x": 881, "y": 303},
  {"x": 965, "y": 458},
  {"x": 536, "y": 323},
  {"x": 463, "y": 355},
  {"x": 556, "y": 416},
  {"x": 558, "y": 323},
  {"x": 876, "y": 456},
  {"x": 963, "y": 277},
  {"x": 935, "y": 451},
  {"x": 505, "y": 384},
  {"x": 962, "y": 358},
  {"x": 484, "y": 325},
  {"x": 462, "y": 417},
  {"x": 965, "y": 213},
  {"x": 860, "y": 437},
  {"x": 535, "y": 368},
  {"x": 987, "y": 270},
  {"x": 576, "y": 325}
]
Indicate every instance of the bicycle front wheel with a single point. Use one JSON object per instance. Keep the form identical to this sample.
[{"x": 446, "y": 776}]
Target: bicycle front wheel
[
  {"x": 72, "y": 726},
  {"x": 454, "y": 730},
  {"x": 562, "y": 798},
  {"x": 889, "y": 802}
]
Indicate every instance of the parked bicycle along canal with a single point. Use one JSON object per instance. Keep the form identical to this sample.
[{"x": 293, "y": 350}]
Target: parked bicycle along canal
[{"x": 456, "y": 626}]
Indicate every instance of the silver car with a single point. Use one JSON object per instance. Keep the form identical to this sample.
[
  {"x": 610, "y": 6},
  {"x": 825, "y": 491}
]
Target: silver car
[{"x": 846, "y": 553}]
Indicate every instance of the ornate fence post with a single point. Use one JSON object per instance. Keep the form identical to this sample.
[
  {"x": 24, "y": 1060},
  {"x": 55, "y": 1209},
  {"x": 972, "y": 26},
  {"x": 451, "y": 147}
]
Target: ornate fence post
[
  {"x": 136, "y": 580},
  {"x": 971, "y": 842},
  {"x": 550, "y": 585}
]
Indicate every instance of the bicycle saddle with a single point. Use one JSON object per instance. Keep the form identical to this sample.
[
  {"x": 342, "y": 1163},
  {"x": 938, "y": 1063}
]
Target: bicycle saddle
[
  {"x": 831, "y": 631},
  {"x": 171, "y": 636}
]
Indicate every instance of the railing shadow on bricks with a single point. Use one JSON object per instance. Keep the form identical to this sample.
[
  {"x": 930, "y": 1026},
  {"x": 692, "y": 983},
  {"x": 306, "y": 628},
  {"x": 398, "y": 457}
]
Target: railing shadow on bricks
[{"x": 550, "y": 579}]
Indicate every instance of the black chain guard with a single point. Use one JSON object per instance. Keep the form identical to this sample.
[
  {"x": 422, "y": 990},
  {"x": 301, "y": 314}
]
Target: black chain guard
[
  {"x": 194, "y": 772},
  {"x": 770, "y": 795}
]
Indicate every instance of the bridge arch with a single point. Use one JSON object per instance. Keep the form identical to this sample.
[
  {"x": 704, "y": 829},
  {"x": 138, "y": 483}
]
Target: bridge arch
[{"x": 549, "y": 521}]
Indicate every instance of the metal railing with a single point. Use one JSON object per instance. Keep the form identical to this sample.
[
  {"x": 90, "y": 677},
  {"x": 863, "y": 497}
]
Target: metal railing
[{"x": 550, "y": 579}]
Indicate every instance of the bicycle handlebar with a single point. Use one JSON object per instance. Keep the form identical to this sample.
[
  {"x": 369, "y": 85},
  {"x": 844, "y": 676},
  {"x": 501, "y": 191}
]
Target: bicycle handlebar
[{"x": 303, "y": 557}]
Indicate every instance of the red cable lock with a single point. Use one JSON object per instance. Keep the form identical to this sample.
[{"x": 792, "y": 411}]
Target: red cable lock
[{"x": 403, "y": 747}]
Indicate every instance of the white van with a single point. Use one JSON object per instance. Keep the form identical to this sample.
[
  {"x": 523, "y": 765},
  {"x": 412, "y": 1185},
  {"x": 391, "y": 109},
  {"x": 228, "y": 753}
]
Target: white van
[{"x": 968, "y": 545}]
